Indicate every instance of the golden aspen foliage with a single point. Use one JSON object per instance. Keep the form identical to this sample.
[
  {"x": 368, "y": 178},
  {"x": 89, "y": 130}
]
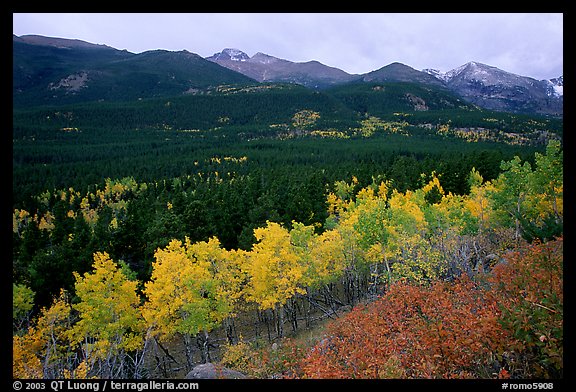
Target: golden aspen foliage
[
  {"x": 44, "y": 350},
  {"x": 25, "y": 359},
  {"x": 215, "y": 281},
  {"x": 478, "y": 201},
  {"x": 110, "y": 322},
  {"x": 193, "y": 288},
  {"x": 327, "y": 260},
  {"x": 167, "y": 291},
  {"x": 274, "y": 269}
]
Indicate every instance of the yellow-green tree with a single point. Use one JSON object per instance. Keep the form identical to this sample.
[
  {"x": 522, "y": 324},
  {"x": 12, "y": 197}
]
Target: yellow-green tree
[
  {"x": 22, "y": 304},
  {"x": 478, "y": 201},
  {"x": 531, "y": 200},
  {"x": 110, "y": 328},
  {"x": 326, "y": 257},
  {"x": 44, "y": 350},
  {"x": 304, "y": 119},
  {"x": 414, "y": 258},
  {"x": 545, "y": 202},
  {"x": 216, "y": 284},
  {"x": 274, "y": 270},
  {"x": 193, "y": 288}
]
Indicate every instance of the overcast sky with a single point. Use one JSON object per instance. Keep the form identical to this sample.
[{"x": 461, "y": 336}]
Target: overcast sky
[{"x": 526, "y": 44}]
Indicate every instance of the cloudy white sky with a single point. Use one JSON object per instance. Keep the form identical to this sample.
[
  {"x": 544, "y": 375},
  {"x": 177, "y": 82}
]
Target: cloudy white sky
[{"x": 527, "y": 44}]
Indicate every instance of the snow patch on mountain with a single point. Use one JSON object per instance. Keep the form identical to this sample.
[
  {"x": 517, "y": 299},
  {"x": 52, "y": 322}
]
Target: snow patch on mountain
[
  {"x": 474, "y": 71},
  {"x": 231, "y": 54},
  {"x": 555, "y": 86},
  {"x": 449, "y": 75},
  {"x": 437, "y": 74},
  {"x": 493, "y": 88}
]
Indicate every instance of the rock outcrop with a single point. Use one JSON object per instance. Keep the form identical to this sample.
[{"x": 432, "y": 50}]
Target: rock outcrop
[{"x": 213, "y": 371}]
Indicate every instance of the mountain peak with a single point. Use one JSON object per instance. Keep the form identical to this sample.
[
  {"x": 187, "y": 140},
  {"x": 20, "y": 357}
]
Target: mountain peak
[
  {"x": 398, "y": 72},
  {"x": 230, "y": 54},
  {"x": 263, "y": 58},
  {"x": 470, "y": 70}
]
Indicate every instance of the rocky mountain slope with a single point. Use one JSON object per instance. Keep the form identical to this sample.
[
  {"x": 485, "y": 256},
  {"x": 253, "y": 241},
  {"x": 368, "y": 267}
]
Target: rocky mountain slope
[
  {"x": 480, "y": 84},
  {"x": 266, "y": 68},
  {"x": 493, "y": 88}
]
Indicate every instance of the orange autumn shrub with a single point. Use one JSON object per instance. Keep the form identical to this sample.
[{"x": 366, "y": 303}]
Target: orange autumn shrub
[{"x": 447, "y": 330}]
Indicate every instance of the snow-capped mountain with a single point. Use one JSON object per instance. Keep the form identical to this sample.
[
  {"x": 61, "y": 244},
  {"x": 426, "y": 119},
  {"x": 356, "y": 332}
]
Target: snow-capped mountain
[
  {"x": 264, "y": 58},
  {"x": 493, "y": 88},
  {"x": 483, "y": 85},
  {"x": 266, "y": 68},
  {"x": 555, "y": 86},
  {"x": 442, "y": 76},
  {"x": 230, "y": 54}
]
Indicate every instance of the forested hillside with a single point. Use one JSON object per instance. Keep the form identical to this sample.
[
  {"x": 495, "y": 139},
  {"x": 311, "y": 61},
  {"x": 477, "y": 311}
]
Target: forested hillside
[
  {"x": 152, "y": 235},
  {"x": 403, "y": 247}
]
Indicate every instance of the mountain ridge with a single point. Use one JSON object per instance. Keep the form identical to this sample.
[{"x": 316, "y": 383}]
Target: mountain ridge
[
  {"x": 483, "y": 85},
  {"x": 63, "y": 43},
  {"x": 266, "y": 68},
  {"x": 62, "y": 72},
  {"x": 55, "y": 70},
  {"x": 492, "y": 88}
]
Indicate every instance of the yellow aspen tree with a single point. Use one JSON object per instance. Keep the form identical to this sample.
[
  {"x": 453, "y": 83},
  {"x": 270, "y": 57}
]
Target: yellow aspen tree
[
  {"x": 478, "y": 200},
  {"x": 544, "y": 203},
  {"x": 353, "y": 253},
  {"x": 216, "y": 285},
  {"x": 415, "y": 260},
  {"x": 326, "y": 256},
  {"x": 326, "y": 268},
  {"x": 25, "y": 356},
  {"x": 374, "y": 233},
  {"x": 167, "y": 293},
  {"x": 44, "y": 351},
  {"x": 110, "y": 326},
  {"x": 193, "y": 288},
  {"x": 22, "y": 304},
  {"x": 275, "y": 272},
  {"x": 433, "y": 191},
  {"x": 232, "y": 280}
]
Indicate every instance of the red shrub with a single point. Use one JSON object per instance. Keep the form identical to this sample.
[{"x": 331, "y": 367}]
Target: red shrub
[{"x": 443, "y": 331}]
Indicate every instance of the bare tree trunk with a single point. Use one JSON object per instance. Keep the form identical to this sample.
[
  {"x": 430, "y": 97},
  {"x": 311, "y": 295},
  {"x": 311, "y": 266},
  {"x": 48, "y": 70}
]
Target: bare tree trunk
[
  {"x": 292, "y": 310},
  {"x": 373, "y": 281},
  {"x": 161, "y": 361},
  {"x": 279, "y": 310},
  {"x": 203, "y": 342},
  {"x": 138, "y": 359},
  {"x": 267, "y": 319},
  {"x": 230, "y": 330},
  {"x": 307, "y": 308},
  {"x": 189, "y": 354}
]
